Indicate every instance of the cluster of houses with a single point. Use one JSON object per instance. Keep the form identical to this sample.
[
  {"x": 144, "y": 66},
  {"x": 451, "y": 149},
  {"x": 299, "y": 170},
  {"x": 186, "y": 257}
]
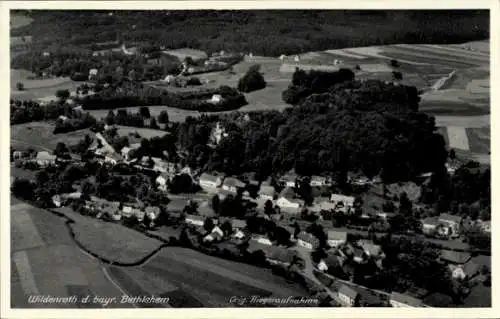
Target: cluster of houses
[{"x": 448, "y": 226}]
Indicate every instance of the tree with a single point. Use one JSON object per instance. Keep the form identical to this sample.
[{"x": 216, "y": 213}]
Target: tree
[
  {"x": 268, "y": 207},
  {"x": 252, "y": 80},
  {"x": 452, "y": 154},
  {"x": 208, "y": 225},
  {"x": 216, "y": 203},
  {"x": 61, "y": 150},
  {"x": 23, "y": 188},
  {"x": 110, "y": 118},
  {"x": 227, "y": 228},
  {"x": 20, "y": 86},
  {"x": 144, "y": 111},
  {"x": 394, "y": 63},
  {"x": 153, "y": 124},
  {"x": 163, "y": 117},
  {"x": 398, "y": 76},
  {"x": 63, "y": 95}
]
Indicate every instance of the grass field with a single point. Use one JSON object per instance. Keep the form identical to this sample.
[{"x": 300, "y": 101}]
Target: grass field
[
  {"x": 110, "y": 240},
  {"x": 46, "y": 261},
  {"x": 17, "y": 21},
  {"x": 208, "y": 279},
  {"x": 39, "y": 88},
  {"x": 143, "y": 132},
  {"x": 39, "y": 136}
]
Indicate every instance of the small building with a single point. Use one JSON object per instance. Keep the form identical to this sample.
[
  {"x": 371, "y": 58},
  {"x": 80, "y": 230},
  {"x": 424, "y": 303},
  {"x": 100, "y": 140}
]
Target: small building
[
  {"x": 238, "y": 224},
  {"x": 127, "y": 211},
  {"x": 348, "y": 296},
  {"x": 485, "y": 226},
  {"x": 93, "y": 74},
  {"x": 322, "y": 206},
  {"x": 344, "y": 203},
  {"x": 216, "y": 98},
  {"x": 399, "y": 300},
  {"x": 239, "y": 234},
  {"x": 195, "y": 220},
  {"x": 56, "y": 199},
  {"x": 307, "y": 240},
  {"x": 336, "y": 238},
  {"x": 430, "y": 225},
  {"x": 370, "y": 248},
  {"x": 162, "y": 182},
  {"x": 451, "y": 221},
  {"x": 289, "y": 179},
  {"x": 266, "y": 192},
  {"x": 209, "y": 182},
  {"x": 287, "y": 200},
  {"x": 232, "y": 184},
  {"x": 45, "y": 159},
  {"x": 464, "y": 271},
  {"x": 318, "y": 181},
  {"x": 152, "y": 212}
]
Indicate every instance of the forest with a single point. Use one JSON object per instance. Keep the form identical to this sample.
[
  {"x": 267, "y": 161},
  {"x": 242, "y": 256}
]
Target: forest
[{"x": 269, "y": 32}]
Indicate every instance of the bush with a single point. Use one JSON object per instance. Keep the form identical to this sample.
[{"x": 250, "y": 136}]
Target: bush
[
  {"x": 252, "y": 80},
  {"x": 20, "y": 86}
]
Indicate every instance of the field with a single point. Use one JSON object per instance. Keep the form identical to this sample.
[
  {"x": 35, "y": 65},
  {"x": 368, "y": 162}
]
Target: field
[
  {"x": 35, "y": 89},
  {"x": 39, "y": 136},
  {"x": 17, "y": 21},
  {"x": 191, "y": 278},
  {"x": 143, "y": 132},
  {"x": 110, "y": 240},
  {"x": 46, "y": 261}
]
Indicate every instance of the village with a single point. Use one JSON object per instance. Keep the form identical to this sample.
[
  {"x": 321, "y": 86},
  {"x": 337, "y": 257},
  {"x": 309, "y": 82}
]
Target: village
[{"x": 267, "y": 220}]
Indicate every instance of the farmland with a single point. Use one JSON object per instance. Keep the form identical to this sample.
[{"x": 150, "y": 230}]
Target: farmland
[
  {"x": 38, "y": 88},
  {"x": 38, "y": 135},
  {"x": 122, "y": 244},
  {"x": 46, "y": 261}
]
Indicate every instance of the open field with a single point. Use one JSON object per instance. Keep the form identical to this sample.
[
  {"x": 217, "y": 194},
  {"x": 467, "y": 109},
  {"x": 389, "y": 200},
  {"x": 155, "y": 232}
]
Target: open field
[
  {"x": 39, "y": 88},
  {"x": 143, "y": 132},
  {"x": 208, "y": 279},
  {"x": 110, "y": 240},
  {"x": 39, "y": 136},
  {"x": 46, "y": 261}
]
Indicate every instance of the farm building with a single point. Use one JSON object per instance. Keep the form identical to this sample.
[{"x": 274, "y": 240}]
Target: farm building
[{"x": 182, "y": 54}]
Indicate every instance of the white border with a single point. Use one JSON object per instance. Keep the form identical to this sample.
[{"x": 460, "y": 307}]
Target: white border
[{"x": 6, "y": 312}]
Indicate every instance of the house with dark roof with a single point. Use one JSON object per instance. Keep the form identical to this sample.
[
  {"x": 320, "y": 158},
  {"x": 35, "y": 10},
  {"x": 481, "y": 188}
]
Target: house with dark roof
[
  {"x": 307, "y": 240},
  {"x": 399, "y": 300},
  {"x": 266, "y": 192},
  {"x": 209, "y": 182},
  {"x": 348, "y": 296},
  {"x": 232, "y": 185},
  {"x": 336, "y": 238},
  {"x": 288, "y": 201}
]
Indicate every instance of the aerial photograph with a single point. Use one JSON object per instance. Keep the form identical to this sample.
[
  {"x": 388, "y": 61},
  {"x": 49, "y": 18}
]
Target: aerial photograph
[{"x": 250, "y": 158}]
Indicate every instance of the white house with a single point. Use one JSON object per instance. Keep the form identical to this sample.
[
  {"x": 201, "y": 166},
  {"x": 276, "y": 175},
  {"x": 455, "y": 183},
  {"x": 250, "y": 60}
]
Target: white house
[
  {"x": 451, "y": 221},
  {"x": 322, "y": 266},
  {"x": 45, "y": 159},
  {"x": 348, "y": 296},
  {"x": 238, "y": 234},
  {"x": 336, "y": 238},
  {"x": 232, "y": 184},
  {"x": 127, "y": 211},
  {"x": 217, "y": 231},
  {"x": 399, "y": 300},
  {"x": 296, "y": 58},
  {"x": 318, "y": 181},
  {"x": 287, "y": 200},
  {"x": 195, "y": 220},
  {"x": 216, "y": 98},
  {"x": 93, "y": 74},
  {"x": 209, "y": 182},
  {"x": 56, "y": 199}
]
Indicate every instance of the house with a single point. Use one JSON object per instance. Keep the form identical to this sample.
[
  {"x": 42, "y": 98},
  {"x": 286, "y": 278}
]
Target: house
[
  {"x": 45, "y": 159},
  {"x": 266, "y": 192},
  {"x": 465, "y": 271},
  {"x": 307, "y": 240},
  {"x": 127, "y": 211},
  {"x": 288, "y": 180},
  {"x": 112, "y": 158},
  {"x": 281, "y": 255},
  {"x": 162, "y": 182},
  {"x": 195, "y": 220},
  {"x": 399, "y": 300},
  {"x": 152, "y": 212},
  {"x": 287, "y": 200},
  {"x": 213, "y": 237},
  {"x": 485, "y": 225},
  {"x": 238, "y": 224},
  {"x": 93, "y": 74},
  {"x": 348, "y": 296},
  {"x": 209, "y": 182},
  {"x": 344, "y": 203},
  {"x": 216, "y": 230},
  {"x": 359, "y": 254},
  {"x": 240, "y": 234},
  {"x": 370, "y": 248},
  {"x": 125, "y": 152},
  {"x": 322, "y": 266},
  {"x": 322, "y": 206},
  {"x": 232, "y": 184},
  {"x": 451, "y": 221},
  {"x": 261, "y": 240},
  {"x": 318, "y": 181},
  {"x": 254, "y": 246},
  {"x": 216, "y": 98},
  {"x": 430, "y": 225},
  {"x": 336, "y": 238}
]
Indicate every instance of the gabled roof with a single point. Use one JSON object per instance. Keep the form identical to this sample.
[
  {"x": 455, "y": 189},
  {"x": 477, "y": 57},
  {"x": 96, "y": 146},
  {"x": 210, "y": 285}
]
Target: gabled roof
[
  {"x": 288, "y": 193},
  {"x": 449, "y": 217},
  {"x": 231, "y": 181},
  {"x": 282, "y": 254},
  {"x": 208, "y": 177},
  {"x": 349, "y": 200},
  {"x": 431, "y": 221},
  {"x": 455, "y": 257},
  {"x": 337, "y": 235},
  {"x": 406, "y": 299},
  {"x": 348, "y": 291},
  {"x": 307, "y": 237},
  {"x": 45, "y": 156},
  {"x": 238, "y": 223},
  {"x": 373, "y": 249},
  {"x": 267, "y": 190}
]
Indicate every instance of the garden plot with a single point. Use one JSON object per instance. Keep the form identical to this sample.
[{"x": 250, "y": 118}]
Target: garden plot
[{"x": 457, "y": 137}]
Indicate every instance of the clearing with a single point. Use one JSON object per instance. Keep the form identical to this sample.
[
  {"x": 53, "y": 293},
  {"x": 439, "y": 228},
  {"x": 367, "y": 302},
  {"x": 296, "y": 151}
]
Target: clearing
[{"x": 35, "y": 89}]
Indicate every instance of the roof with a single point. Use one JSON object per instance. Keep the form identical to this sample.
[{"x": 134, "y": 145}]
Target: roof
[
  {"x": 455, "y": 257},
  {"x": 348, "y": 291},
  {"x": 406, "y": 299},
  {"x": 208, "y": 177},
  {"x": 373, "y": 249},
  {"x": 253, "y": 245},
  {"x": 349, "y": 200},
  {"x": 267, "y": 190},
  {"x": 307, "y": 237},
  {"x": 337, "y": 235},
  {"x": 288, "y": 193},
  {"x": 282, "y": 254},
  {"x": 358, "y": 252},
  {"x": 323, "y": 206},
  {"x": 450, "y": 217},
  {"x": 43, "y": 155},
  {"x": 470, "y": 268},
  {"x": 195, "y": 217},
  {"x": 206, "y": 211},
  {"x": 431, "y": 221},
  {"x": 231, "y": 181},
  {"x": 238, "y": 223}
]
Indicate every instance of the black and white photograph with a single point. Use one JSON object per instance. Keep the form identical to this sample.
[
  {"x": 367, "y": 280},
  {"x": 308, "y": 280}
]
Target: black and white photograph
[{"x": 249, "y": 158}]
